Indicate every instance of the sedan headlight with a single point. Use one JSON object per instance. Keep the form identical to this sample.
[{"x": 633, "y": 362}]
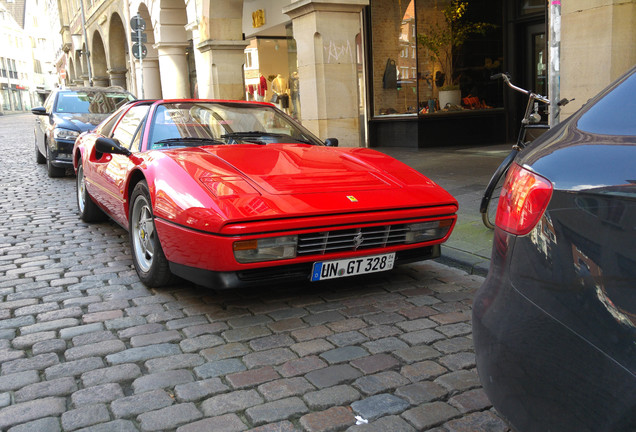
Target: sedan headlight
[
  {"x": 427, "y": 231},
  {"x": 265, "y": 249},
  {"x": 65, "y": 134}
]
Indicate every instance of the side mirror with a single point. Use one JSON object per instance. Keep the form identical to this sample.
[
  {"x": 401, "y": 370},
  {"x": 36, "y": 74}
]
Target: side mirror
[
  {"x": 331, "y": 142},
  {"x": 39, "y": 111},
  {"x": 112, "y": 146}
]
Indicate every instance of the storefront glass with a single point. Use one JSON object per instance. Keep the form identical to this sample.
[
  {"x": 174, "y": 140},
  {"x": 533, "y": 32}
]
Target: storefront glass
[
  {"x": 271, "y": 73},
  {"x": 421, "y": 49},
  {"x": 5, "y": 100}
]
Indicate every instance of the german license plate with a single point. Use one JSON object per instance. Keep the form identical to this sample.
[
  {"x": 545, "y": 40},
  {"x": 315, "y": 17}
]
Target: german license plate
[{"x": 352, "y": 266}]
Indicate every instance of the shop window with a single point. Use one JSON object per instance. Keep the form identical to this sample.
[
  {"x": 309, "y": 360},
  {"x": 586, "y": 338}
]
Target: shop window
[
  {"x": 4, "y": 99},
  {"x": 271, "y": 72},
  {"x": 422, "y": 48}
]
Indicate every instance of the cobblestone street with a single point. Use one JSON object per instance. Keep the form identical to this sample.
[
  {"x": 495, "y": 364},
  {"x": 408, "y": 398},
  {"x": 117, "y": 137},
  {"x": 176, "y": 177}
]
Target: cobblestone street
[{"x": 84, "y": 346}]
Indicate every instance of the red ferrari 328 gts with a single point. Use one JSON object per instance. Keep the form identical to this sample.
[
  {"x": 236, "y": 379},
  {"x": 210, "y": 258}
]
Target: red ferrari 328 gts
[{"x": 230, "y": 193}]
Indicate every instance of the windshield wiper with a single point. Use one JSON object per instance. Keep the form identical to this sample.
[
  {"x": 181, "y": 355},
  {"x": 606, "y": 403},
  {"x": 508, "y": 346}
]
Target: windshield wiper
[
  {"x": 189, "y": 139},
  {"x": 249, "y": 134}
]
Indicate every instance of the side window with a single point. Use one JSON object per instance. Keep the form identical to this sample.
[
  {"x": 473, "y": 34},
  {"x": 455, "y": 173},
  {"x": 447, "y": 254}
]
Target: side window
[{"x": 129, "y": 124}]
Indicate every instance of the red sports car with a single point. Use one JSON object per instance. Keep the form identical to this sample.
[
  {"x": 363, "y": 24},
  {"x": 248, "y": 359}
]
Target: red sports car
[{"x": 231, "y": 193}]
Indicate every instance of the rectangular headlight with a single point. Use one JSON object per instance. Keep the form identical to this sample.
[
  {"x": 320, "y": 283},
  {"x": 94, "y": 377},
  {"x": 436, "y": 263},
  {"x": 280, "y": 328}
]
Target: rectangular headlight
[
  {"x": 427, "y": 231},
  {"x": 65, "y": 134},
  {"x": 265, "y": 249}
]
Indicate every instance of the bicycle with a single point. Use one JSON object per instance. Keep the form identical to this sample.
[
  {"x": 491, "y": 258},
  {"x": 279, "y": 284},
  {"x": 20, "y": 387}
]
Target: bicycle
[{"x": 530, "y": 130}]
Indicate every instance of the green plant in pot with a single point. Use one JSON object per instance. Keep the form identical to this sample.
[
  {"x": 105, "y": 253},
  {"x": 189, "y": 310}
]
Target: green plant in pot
[{"x": 444, "y": 38}]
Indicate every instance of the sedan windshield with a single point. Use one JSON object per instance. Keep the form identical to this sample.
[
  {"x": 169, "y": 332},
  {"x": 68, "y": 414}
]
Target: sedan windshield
[{"x": 198, "y": 122}]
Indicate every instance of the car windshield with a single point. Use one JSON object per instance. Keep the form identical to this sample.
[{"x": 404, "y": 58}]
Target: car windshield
[
  {"x": 195, "y": 122},
  {"x": 91, "y": 102}
]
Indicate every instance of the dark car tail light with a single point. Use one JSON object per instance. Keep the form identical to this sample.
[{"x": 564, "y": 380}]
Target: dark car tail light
[{"x": 524, "y": 198}]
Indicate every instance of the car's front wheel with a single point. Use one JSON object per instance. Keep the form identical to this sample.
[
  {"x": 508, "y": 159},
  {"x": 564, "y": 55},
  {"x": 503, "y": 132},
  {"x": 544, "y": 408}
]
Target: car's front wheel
[
  {"x": 148, "y": 257},
  {"x": 88, "y": 210}
]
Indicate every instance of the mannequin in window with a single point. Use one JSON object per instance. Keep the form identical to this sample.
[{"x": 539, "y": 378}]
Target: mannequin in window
[{"x": 281, "y": 95}]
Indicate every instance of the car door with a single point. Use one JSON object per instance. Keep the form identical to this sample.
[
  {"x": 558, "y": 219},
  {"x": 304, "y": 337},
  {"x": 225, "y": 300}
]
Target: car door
[{"x": 110, "y": 171}]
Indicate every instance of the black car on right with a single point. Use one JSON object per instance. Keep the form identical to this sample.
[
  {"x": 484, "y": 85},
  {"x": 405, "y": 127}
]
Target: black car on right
[{"x": 554, "y": 324}]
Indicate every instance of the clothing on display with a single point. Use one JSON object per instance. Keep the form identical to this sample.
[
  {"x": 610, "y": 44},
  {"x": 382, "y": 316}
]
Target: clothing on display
[{"x": 262, "y": 88}]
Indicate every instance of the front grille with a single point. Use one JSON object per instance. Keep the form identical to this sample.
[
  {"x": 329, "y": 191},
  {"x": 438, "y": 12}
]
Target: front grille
[{"x": 351, "y": 239}]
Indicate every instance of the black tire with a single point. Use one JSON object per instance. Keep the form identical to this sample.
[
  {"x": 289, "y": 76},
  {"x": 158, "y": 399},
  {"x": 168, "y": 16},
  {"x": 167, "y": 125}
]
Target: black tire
[
  {"x": 88, "y": 210},
  {"x": 148, "y": 257},
  {"x": 40, "y": 159},
  {"x": 53, "y": 171}
]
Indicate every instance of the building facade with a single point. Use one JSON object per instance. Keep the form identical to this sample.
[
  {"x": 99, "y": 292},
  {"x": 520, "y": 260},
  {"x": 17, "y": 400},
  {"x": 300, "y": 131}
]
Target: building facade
[
  {"x": 368, "y": 72},
  {"x": 26, "y": 54}
]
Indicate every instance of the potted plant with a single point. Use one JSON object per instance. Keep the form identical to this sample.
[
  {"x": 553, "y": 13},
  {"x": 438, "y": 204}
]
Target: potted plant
[{"x": 443, "y": 40}]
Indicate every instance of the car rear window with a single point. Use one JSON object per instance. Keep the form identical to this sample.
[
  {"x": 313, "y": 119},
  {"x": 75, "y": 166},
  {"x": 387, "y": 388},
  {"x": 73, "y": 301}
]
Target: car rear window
[
  {"x": 614, "y": 114},
  {"x": 85, "y": 102}
]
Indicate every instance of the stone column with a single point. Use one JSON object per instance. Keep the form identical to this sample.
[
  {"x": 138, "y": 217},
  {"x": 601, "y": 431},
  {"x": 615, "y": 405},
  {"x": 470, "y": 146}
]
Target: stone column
[
  {"x": 220, "y": 71},
  {"x": 117, "y": 77},
  {"x": 151, "y": 79},
  {"x": 173, "y": 68},
  {"x": 598, "y": 44},
  {"x": 101, "y": 81},
  {"x": 325, "y": 33}
]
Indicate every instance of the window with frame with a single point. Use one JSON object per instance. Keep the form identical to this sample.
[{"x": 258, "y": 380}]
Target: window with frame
[
  {"x": 439, "y": 60},
  {"x": 130, "y": 126}
]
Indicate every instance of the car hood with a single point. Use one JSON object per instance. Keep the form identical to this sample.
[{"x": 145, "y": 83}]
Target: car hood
[
  {"x": 296, "y": 180},
  {"x": 78, "y": 121}
]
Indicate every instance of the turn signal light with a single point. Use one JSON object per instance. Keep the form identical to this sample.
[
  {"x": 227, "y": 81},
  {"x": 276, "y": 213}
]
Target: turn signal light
[{"x": 524, "y": 198}]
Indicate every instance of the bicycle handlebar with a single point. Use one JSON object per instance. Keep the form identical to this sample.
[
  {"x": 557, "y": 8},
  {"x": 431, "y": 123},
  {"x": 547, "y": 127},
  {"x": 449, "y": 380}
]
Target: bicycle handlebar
[{"x": 532, "y": 95}]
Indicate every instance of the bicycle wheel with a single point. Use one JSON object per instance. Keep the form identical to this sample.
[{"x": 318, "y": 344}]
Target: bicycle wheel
[{"x": 490, "y": 200}]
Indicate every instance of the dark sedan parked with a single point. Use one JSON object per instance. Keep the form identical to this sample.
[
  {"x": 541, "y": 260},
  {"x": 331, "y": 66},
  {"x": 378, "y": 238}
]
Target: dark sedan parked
[
  {"x": 555, "y": 321},
  {"x": 66, "y": 113}
]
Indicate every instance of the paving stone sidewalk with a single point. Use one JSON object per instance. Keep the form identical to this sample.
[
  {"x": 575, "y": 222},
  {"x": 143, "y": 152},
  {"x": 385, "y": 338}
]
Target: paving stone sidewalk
[{"x": 84, "y": 346}]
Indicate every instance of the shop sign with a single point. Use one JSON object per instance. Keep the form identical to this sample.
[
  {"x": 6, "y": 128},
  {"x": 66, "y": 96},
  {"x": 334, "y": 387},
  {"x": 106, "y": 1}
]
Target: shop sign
[{"x": 258, "y": 18}]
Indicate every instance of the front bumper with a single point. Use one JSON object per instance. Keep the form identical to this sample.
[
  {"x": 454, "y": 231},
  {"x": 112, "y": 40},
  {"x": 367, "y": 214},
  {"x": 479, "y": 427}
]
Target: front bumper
[
  {"x": 278, "y": 274},
  {"x": 60, "y": 153}
]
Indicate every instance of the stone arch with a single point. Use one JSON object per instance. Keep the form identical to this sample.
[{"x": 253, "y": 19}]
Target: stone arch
[
  {"x": 117, "y": 51},
  {"x": 98, "y": 61}
]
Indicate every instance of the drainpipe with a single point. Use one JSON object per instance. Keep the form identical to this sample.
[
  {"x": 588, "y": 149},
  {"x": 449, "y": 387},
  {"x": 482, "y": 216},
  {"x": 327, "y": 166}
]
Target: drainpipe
[{"x": 554, "y": 72}]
